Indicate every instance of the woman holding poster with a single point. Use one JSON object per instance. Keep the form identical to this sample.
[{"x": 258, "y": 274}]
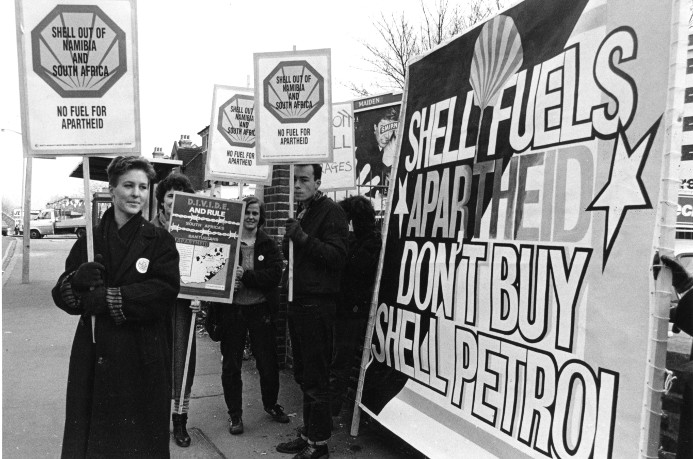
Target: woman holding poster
[
  {"x": 118, "y": 398},
  {"x": 181, "y": 316},
  {"x": 255, "y": 304}
]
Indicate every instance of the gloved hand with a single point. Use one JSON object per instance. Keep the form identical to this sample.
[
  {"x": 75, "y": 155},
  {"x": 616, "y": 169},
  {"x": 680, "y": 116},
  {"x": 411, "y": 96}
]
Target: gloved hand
[
  {"x": 680, "y": 278},
  {"x": 94, "y": 301},
  {"x": 295, "y": 232},
  {"x": 195, "y": 306},
  {"x": 89, "y": 275}
]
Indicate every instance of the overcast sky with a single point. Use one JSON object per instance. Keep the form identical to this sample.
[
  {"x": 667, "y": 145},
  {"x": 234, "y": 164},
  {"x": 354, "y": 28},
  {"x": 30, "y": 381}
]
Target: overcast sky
[{"x": 184, "y": 49}]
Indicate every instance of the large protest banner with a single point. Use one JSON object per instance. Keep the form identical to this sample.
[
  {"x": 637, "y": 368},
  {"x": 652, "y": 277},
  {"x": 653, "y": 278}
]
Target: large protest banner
[
  {"x": 231, "y": 151},
  {"x": 207, "y": 234},
  {"x": 339, "y": 174},
  {"x": 516, "y": 314},
  {"x": 78, "y": 77},
  {"x": 294, "y": 111}
]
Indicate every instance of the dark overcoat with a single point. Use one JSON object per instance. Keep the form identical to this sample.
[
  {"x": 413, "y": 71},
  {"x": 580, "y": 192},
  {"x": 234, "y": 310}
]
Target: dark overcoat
[{"x": 118, "y": 390}]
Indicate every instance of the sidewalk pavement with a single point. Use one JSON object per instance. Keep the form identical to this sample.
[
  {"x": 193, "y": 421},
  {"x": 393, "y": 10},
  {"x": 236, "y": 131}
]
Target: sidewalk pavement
[
  {"x": 36, "y": 344},
  {"x": 9, "y": 245}
]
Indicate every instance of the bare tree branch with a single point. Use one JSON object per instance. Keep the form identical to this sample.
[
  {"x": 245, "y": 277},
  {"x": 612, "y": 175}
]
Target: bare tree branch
[{"x": 400, "y": 39}]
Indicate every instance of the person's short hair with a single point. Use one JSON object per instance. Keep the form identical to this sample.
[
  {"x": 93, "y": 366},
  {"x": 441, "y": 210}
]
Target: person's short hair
[
  {"x": 390, "y": 115},
  {"x": 255, "y": 200},
  {"x": 122, "y": 164},
  {"x": 359, "y": 210},
  {"x": 317, "y": 170},
  {"x": 173, "y": 181}
]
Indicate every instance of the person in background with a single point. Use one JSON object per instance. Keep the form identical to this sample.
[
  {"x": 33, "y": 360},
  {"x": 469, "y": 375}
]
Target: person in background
[
  {"x": 681, "y": 315},
  {"x": 118, "y": 394},
  {"x": 319, "y": 235},
  {"x": 181, "y": 316},
  {"x": 253, "y": 312},
  {"x": 354, "y": 300}
]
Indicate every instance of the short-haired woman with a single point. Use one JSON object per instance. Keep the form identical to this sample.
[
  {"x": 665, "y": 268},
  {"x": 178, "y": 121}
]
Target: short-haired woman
[
  {"x": 118, "y": 396},
  {"x": 254, "y": 308}
]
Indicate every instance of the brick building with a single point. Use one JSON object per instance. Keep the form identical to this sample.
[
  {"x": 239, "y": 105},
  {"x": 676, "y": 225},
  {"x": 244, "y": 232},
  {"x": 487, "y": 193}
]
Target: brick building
[{"x": 194, "y": 159}]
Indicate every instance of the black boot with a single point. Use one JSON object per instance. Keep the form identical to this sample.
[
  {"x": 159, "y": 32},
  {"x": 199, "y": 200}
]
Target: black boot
[{"x": 179, "y": 431}]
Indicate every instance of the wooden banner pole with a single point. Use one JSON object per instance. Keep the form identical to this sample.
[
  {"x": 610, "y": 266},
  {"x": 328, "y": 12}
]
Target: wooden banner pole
[
  {"x": 291, "y": 243},
  {"x": 665, "y": 235},
  {"x": 191, "y": 335},
  {"x": 86, "y": 173},
  {"x": 26, "y": 237}
]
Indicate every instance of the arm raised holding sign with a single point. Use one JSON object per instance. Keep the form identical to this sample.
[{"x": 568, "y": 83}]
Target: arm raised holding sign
[{"x": 320, "y": 236}]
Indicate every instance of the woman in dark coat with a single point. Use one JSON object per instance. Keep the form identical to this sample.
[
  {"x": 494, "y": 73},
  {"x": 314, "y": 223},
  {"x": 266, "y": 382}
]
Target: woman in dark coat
[
  {"x": 354, "y": 300},
  {"x": 181, "y": 316},
  {"x": 253, "y": 311},
  {"x": 118, "y": 388}
]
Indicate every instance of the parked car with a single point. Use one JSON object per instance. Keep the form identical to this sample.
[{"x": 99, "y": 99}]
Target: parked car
[
  {"x": 53, "y": 221},
  {"x": 5, "y": 228}
]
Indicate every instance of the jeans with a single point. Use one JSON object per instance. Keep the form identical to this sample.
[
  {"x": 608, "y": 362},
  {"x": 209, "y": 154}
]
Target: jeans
[
  {"x": 257, "y": 321},
  {"x": 311, "y": 322}
]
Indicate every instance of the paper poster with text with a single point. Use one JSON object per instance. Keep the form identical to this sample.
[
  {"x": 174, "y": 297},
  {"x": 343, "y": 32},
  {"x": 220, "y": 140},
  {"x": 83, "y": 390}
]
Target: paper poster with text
[
  {"x": 207, "y": 233},
  {"x": 78, "y": 77},
  {"x": 294, "y": 112},
  {"x": 376, "y": 120},
  {"x": 231, "y": 151},
  {"x": 339, "y": 174},
  {"x": 512, "y": 313},
  {"x": 684, "y": 220}
]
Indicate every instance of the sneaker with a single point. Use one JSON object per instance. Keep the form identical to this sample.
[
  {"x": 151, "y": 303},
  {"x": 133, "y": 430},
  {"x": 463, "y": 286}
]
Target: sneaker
[
  {"x": 236, "y": 425},
  {"x": 294, "y": 446},
  {"x": 277, "y": 413},
  {"x": 313, "y": 452}
]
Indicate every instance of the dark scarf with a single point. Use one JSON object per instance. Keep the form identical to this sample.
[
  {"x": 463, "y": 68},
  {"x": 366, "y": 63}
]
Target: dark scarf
[
  {"x": 302, "y": 210},
  {"x": 118, "y": 241}
]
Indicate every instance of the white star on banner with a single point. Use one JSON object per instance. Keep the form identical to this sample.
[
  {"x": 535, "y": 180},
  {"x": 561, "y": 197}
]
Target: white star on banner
[
  {"x": 624, "y": 190},
  {"x": 401, "y": 207}
]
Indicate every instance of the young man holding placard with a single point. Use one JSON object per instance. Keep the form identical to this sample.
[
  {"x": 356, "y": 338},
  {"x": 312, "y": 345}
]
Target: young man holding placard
[{"x": 319, "y": 234}]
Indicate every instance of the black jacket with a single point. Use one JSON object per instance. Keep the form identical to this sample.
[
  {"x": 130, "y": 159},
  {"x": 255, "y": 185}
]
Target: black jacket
[
  {"x": 267, "y": 269},
  {"x": 319, "y": 261},
  {"x": 359, "y": 275},
  {"x": 118, "y": 390}
]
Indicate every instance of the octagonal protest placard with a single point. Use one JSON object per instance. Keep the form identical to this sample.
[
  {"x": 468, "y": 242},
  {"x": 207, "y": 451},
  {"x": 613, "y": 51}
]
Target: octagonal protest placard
[
  {"x": 231, "y": 147},
  {"x": 236, "y": 120},
  {"x": 79, "y": 51},
  {"x": 294, "y": 120},
  {"x": 294, "y": 92},
  {"x": 78, "y": 77}
]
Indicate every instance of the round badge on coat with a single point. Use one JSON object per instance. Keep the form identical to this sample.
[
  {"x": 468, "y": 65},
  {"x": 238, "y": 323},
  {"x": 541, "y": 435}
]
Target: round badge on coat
[
  {"x": 142, "y": 265},
  {"x": 261, "y": 257}
]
